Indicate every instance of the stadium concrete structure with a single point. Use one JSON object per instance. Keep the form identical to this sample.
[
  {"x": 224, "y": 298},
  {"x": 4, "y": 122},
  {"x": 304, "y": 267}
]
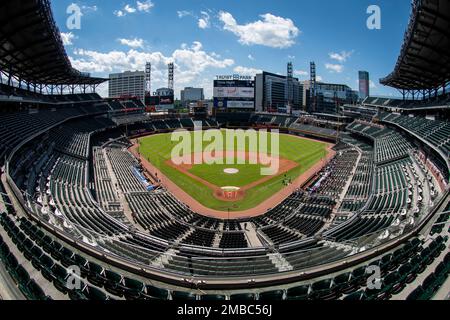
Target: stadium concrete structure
[{"x": 72, "y": 194}]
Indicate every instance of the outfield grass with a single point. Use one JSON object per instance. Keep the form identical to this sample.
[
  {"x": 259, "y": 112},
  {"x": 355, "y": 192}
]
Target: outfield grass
[{"x": 158, "y": 148}]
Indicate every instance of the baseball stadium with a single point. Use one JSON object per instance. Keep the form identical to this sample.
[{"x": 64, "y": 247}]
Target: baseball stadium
[{"x": 221, "y": 205}]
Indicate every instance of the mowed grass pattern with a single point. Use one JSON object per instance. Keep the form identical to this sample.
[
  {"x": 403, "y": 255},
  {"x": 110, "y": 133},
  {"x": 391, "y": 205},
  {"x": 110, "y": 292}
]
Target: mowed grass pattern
[{"x": 158, "y": 150}]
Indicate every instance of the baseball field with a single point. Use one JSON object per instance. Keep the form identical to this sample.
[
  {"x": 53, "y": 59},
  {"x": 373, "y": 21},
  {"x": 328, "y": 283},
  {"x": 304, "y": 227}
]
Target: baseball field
[{"x": 233, "y": 187}]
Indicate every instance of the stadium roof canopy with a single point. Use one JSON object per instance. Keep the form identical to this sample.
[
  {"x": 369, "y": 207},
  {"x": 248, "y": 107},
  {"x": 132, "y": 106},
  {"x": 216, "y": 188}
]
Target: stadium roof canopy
[
  {"x": 31, "y": 47},
  {"x": 424, "y": 61}
]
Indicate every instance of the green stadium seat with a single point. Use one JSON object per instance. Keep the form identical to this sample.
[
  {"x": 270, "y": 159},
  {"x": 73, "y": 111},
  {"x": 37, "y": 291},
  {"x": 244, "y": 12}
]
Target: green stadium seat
[
  {"x": 55, "y": 251},
  {"x": 133, "y": 289},
  {"x": 60, "y": 275},
  {"x": 359, "y": 276},
  {"x": 45, "y": 266},
  {"x": 26, "y": 248},
  {"x": 4, "y": 250},
  {"x": 114, "y": 283},
  {"x": 355, "y": 296},
  {"x": 418, "y": 264},
  {"x": 298, "y": 293},
  {"x": 67, "y": 257},
  {"x": 407, "y": 272},
  {"x": 22, "y": 277},
  {"x": 37, "y": 236},
  {"x": 95, "y": 294},
  {"x": 82, "y": 263},
  {"x": 79, "y": 294},
  {"x": 35, "y": 291},
  {"x": 11, "y": 264},
  {"x": 46, "y": 243},
  {"x": 212, "y": 297},
  {"x": 18, "y": 238},
  {"x": 36, "y": 253},
  {"x": 430, "y": 285},
  {"x": 243, "y": 297},
  {"x": 323, "y": 290},
  {"x": 416, "y": 294},
  {"x": 153, "y": 293},
  {"x": 183, "y": 296},
  {"x": 343, "y": 283},
  {"x": 275, "y": 295},
  {"x": 393, "y": 283},
  {"x": 426, "y": 256},
  {"x": 96, "y": 275}
]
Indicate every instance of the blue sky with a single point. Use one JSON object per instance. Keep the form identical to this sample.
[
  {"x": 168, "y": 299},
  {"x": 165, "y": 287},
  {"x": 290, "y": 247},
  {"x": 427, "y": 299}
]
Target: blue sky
[{"x": 205, "y": 38}]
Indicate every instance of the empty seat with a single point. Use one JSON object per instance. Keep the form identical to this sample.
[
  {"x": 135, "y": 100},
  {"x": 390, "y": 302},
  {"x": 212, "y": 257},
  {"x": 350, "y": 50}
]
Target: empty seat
[
  {"x": 153, "y": 292},
  {"x": 274, "y": 295},
  {"x": 183, "y": 296},
  {"x": 298, "y": 293}
]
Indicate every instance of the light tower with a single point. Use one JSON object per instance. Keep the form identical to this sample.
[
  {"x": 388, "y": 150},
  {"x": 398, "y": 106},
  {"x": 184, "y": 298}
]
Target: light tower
[
  {"x": 290, "y": 83},
  {"x": 148, "y": 77},
  {"x": 171, "y": 76},
  {"x": 313, "y": 87}
]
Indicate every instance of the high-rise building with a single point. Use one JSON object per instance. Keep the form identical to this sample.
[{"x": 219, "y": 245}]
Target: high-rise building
[
  {"x": 328, "y": 97},
  {"x": 274, "y": 92},
  {"x": 190, "y": 94},
  {"x": 127, "y": 84},
  {"x": 364, "y": 84}
]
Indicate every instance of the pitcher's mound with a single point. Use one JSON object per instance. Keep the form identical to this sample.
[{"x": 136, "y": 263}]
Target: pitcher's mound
[
  {"x": 231, "y": 194},
  {"x": 231, "y": 171}
]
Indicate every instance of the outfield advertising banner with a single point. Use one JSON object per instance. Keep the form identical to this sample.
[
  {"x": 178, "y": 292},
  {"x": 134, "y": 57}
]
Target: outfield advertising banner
[
  {"x": 235, "y": 104},
  {"x": 241, "y": 104}
]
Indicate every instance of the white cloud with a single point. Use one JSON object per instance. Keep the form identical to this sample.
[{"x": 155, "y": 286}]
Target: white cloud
[
  {"x": 372, "y": 84},
  {"x": 271, "y": 31},
  {"x": 67, "y": 38},
  {"x": 119, "y": 13},
  {"x": 319, "y": 78},
  {"x": 89, "y": 9},
  {"x": 184, "y": 13},
  {"x": 338, "y": 68},
  {"x": 300, "y": 73},
  {"x": 133, "y": 43},
  {"x": 129, "y": 9},
  {"x": 145, "y": 6},
  {"x": 247, "y": 71},
  {"x": 204, "y": 20},
  {"x": 342, "y": 56},
  {"x": 250, "y": 57},
  {"x": 192, "y": 64},
  {"x": 291, "y": 57}
]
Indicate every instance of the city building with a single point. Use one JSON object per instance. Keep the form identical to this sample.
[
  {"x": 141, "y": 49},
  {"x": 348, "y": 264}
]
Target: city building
[
  {"x": 329, "y": 97},
  {"x": 128, "y": 83},
  {"x": 364, "y": 85},
  {"x": 190, "y": 94},
  {"x": 273, "y": 92}
]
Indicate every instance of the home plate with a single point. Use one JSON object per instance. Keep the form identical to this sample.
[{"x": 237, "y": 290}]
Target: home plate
[{"x": 231, "y": 171}]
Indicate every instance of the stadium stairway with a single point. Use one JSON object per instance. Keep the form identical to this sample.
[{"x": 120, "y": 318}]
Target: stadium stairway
[
  {"x": 115, "y": 182},
  {"x": 251, "y": 234}
]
